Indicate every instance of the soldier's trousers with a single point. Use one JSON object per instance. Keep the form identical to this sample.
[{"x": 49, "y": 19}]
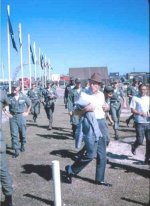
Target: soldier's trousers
[
  {"x": 18, "y": 130},
  {"x": 5, "y": 178},
  {"x": 49, "y": 112},
  {"x": 115, "y": 113},
  {"x": 35, "y": 109}
]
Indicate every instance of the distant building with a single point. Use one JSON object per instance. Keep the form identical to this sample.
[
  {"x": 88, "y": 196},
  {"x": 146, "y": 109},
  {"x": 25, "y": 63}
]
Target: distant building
[
  {"x": 143, "y": 76},
  {"x": 85, "y": 73}
]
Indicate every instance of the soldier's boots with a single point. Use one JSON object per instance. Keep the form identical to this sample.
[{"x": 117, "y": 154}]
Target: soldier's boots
[
  {"x": 50, "y": 126},
  {"x": 8, "y": 201},
  {"x": 22, "y": 149},
  {"x": 34, "y": 118},
  {"x": 116, "y": 135},
  {"x": 16, "y": 153}
]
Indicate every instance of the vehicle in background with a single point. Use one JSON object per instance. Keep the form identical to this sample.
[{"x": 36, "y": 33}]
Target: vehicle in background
[{"x": 26, "y": 82}]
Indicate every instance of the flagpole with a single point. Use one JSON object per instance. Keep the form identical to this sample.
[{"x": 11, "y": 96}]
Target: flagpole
[
  {"x": 8, "y": 41},
  {"x": 34, "y": 49},
  {"x": 21, "y": 57},
  {"x": 3, "y": 72},
  {"x": 29, "y": 59},
  {"x": 39, "y": 65},
  {"x": 45, "y": 70},
  {"x": 49, "y": 68}
]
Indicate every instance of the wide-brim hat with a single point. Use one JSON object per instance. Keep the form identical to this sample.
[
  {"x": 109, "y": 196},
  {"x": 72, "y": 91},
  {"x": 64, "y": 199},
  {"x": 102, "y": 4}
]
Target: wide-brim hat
[{"x": 96, "y": 77}]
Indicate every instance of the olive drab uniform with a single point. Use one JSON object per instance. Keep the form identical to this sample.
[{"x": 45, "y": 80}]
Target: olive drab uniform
[
  {"x": 132, "y": 90},
  {"x": 18, "y": 121},
  {"x": 5, "y": 178},
  {"x": 35, "y": 96},
  {"x": 50, "y": 97},
  {"x": 73, "y": 96},
  {"x": 115, "y": 109},
  {"x": 67, "y": 90}
]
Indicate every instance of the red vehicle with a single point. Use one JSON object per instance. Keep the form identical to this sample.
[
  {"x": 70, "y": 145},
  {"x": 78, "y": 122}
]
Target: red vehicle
[{"x": 26, "y": 82}]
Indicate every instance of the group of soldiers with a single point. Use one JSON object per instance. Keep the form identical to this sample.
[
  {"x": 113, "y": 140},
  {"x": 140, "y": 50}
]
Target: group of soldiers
[
  {"x": 20, "y": 105},
  {"x": 115, "y": 96}
]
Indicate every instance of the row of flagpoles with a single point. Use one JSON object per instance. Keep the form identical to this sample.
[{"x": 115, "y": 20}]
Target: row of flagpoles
[{"x": 42, "y": 62}]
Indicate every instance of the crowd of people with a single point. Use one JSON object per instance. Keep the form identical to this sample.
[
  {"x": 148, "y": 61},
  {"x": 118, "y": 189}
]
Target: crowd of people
[{"x": 90, "y": 107}]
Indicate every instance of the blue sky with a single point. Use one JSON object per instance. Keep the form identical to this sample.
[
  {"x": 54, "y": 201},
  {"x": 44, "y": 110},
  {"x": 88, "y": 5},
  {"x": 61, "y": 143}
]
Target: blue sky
[{"x": 80, "y": 33}]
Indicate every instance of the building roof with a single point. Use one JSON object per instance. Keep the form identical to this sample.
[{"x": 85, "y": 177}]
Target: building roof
[{"x": 86, "y": 72}]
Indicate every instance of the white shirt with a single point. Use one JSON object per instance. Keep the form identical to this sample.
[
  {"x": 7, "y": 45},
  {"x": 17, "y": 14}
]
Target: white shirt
[
  {"x": 97, "y": 100},
  {"x": 141, "y": 104}
]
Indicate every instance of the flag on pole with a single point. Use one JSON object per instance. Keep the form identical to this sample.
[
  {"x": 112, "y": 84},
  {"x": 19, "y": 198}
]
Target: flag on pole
[
  {"x": 19, "y": 33},
  {"x": 12, "y": 34},
  {"x": 32, "y": 56},
  {"x": 41, "y": 61}
]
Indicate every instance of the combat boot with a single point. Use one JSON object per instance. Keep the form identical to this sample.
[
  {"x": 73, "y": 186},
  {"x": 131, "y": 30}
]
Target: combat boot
[
  {"x": 8, "y": 201},
  {"x": 116, "y": 135},
  {"x": 16, "y": 154},
  {"x": 22, "y": 149},
  {"x": 50, "y": 126}
]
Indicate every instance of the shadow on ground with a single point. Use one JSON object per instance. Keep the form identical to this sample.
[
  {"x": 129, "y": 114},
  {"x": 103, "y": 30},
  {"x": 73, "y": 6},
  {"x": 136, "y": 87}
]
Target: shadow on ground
[
  {"x": 64, "y": 153},
  {"x": 48, "y": 202},
  {"x": 57, "y": 136},
  {"x": 134, "y": 201},
  {"x": 44, "y": 171}
]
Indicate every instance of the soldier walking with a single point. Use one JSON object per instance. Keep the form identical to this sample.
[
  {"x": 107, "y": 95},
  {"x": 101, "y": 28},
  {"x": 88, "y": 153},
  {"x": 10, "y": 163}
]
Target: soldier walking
[
  {"x": 115, "y": 106},
  {"x": 132, "y": 90},
  {"x": 35, "y": 95},
  {"x": 50, "y": 97},
  {"x": 5, "y": 178},
  {"x": 73, "y": 96},
  {"x": 18, "y": 102}
]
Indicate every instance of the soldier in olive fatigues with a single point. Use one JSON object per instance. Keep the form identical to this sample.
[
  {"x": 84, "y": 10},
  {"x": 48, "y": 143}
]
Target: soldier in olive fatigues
[
  {"x": 5, "y": 177},
  {"x": 17, "y": 105},
  {"x": 132, "y": 90},
  {"x": 35, "y": 96},
  {"x": 73, "y": 96},
  {"x": 67, "y": 90},
  {"x": 115, "y": 106},
  {"x": 50, "y": 97}
]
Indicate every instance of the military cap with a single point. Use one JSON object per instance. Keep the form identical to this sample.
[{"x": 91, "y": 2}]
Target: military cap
[
  {"x": 34, "y": 82},
  {"x": 135, "y": 79},
  {"x": 108, "y": 89},
  {"x": 71, "y": 78},
  {"x": 77, "y": 80},
  {"x": 15, "y": 84},
  {"x": 49, "y": 82}
]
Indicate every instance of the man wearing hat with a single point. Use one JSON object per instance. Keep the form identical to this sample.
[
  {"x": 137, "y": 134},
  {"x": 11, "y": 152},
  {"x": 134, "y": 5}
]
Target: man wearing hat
[
  {"x": 19, "y": 108},
  {"x": 50, "y": 97},
  {"x": 94, "y": 148},
  {"x": 35, "y": 95},
  {"x": 5, "y": 178},
  {"x": 73, "y": 96}
]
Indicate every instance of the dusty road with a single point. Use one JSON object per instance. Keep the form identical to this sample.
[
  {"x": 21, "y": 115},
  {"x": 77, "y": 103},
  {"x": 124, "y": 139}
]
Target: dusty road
[{"x": 32, "y": 171}]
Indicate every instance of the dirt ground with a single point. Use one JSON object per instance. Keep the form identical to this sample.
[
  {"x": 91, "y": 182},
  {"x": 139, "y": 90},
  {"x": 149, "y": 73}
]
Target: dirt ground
[{"x": 32, "y": 170}]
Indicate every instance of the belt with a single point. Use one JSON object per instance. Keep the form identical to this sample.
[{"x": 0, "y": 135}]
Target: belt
[{"x": 15, "y": 113}]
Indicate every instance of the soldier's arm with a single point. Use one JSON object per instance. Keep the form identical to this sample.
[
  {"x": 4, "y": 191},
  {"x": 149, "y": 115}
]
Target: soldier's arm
[{"x": 28, "y": 104}]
